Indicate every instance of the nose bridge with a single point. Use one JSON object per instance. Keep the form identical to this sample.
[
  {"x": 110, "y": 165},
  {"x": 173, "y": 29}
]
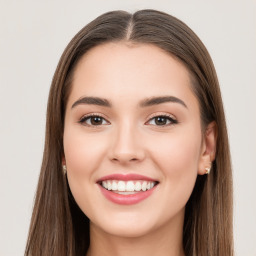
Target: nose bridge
[{"x": 126, "y": 144}]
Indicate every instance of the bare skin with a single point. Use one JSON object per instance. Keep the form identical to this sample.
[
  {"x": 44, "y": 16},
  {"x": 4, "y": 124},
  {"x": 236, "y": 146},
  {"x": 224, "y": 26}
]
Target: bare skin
[
  {"x": 112, "y": 245},
  {"x": 163, "y": 141}
]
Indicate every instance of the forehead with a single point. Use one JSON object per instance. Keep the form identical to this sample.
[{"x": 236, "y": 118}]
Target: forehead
[{"x": 128, "y": 71}]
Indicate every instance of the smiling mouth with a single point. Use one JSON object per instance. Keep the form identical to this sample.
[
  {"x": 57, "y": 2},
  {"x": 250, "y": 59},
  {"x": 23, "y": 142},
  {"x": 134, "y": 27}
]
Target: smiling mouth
[{"x": 128, "y": 187}]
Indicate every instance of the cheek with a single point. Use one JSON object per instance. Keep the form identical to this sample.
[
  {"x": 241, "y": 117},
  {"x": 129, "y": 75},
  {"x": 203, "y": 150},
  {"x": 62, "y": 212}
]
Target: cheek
[
  {"x": 82, "y": 153},
  {"x": 178, "y": 153},
  {"x": 178, "y": 159}
]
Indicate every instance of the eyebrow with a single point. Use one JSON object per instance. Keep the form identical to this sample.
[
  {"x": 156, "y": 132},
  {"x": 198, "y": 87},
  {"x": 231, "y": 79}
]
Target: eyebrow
[
  {"x": 144, "y": 103},
  {"x": 92, "y": 101},
  {"x": 162, "y": 99}
]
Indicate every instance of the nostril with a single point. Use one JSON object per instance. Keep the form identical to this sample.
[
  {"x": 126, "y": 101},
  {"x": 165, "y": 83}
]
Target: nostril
[
  {"x": 126, "y": 155},
  {"x": 125, "y": 160}
]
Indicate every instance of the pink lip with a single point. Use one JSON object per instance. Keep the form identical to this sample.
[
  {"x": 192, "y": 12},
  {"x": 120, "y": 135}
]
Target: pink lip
[
  {"x": 126, "y": 199},
  {"x": 125, "y": 177}
]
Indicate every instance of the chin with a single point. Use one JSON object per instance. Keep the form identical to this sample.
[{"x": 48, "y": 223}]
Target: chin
[
  {"x": 125, "y": 229},
  {"x": 132, "y": 224}
]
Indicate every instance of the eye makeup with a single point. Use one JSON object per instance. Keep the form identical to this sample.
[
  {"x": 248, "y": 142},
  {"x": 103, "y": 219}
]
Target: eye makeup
[{"x": 95, "y": 119}]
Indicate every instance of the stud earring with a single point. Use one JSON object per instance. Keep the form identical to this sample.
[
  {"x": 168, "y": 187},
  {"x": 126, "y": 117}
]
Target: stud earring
[
  {"x": 207, "y": 170},
  {"x": 64, "y": 168}
]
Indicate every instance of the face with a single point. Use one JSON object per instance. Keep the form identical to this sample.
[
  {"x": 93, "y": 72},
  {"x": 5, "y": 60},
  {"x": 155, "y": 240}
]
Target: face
[{"x": 132, "y": 138}]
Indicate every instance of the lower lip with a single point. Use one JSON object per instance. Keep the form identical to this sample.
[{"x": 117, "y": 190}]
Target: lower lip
[{"x": 126, "y": 199}]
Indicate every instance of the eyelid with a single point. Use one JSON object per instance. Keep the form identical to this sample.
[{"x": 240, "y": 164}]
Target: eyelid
[
  {"x": 92, "y": 114},
  {"x": 166, "y": 115},
  {"x": 82, "y": 119},
  {"x": 162, "y": 114},
  {"x": 158, "y": 114}
]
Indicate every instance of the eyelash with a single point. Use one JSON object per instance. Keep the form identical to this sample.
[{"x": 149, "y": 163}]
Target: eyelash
[
  {"x": 87, "y": 117},
  {"x": 168, "y": 117},
  {"x": 165, "y": 116}
]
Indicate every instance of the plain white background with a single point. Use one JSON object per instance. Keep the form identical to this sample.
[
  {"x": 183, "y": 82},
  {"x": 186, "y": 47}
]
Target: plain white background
[{"x": 33, "y": 35}]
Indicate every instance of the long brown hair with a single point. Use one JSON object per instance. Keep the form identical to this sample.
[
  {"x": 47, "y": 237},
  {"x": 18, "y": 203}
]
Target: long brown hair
[{"x": 58, "y": 226}]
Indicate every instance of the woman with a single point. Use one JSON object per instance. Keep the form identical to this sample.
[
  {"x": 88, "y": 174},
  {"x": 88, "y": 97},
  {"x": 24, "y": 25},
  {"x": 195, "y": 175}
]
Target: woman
[{"x": 136, "y": 158}]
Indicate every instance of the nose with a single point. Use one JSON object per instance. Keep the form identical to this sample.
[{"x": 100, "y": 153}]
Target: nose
[{"x": 126, "y": 145}]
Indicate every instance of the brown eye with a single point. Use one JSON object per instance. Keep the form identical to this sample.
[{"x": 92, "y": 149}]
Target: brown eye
[
  {"x": 162, "y": 120},
  {"x": 93, "y": 120},
  {"x": 96, "y": 120}
]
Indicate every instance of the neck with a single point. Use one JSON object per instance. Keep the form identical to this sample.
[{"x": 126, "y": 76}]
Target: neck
[{"x": 165, "y": 241}]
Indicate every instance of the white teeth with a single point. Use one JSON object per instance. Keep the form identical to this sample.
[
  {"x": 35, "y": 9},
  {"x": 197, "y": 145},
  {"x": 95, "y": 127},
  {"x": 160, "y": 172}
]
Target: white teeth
[
  {"x": 125, "y": 193},
  {"x": 121, "y": 186},
  {"x": 130, "y": 186},
  {"x": 144, "y": 186},
  {"x": 109, "y": 185},
  {"x": 105, "y": 184},
  {"x": 127, "y": 187},
  {"x": 137, "y": 186},
  {"x": 114, "y": 185}
]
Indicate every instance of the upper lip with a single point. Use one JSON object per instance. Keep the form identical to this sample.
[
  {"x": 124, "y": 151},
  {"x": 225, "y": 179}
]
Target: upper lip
[{"x": 125, "y": 177}]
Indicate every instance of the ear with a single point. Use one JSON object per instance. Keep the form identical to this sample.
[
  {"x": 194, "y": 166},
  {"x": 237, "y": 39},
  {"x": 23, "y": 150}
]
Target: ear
[
  {"x": 208, "y": 148},
  {"x": 63, "y": 160}
]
